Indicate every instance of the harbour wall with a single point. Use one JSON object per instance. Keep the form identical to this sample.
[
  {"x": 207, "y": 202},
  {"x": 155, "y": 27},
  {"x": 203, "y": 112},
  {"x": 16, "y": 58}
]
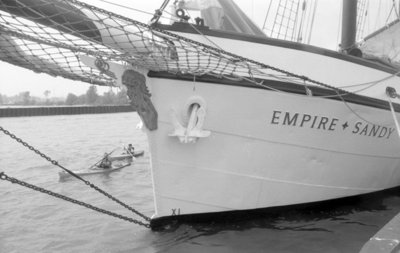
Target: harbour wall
[{"x": 62, "y": 110}]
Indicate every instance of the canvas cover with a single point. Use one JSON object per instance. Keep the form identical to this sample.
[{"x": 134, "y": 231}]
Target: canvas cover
[{"x": 384, "y": 45}]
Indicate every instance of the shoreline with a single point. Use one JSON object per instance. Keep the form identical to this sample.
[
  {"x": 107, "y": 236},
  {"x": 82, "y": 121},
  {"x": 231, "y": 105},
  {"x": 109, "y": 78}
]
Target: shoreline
[{"x": 62, "y": 110}]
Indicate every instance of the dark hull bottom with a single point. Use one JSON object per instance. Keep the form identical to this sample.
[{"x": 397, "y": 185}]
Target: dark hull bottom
[{"x": 321, "y": 209}]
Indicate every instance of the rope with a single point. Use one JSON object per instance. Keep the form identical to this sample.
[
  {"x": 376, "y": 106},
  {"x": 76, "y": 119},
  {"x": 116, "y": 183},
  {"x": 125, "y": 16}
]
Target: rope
[
  {"x": 394, "y": 117},
  {"x": 127, "y": 7},
  {"x": 311, "y": 26},
  {"x": 372, "y": 83},
  {"x": 158, "y": 13},
  {"x": 339, "y": 92},
  {"x": 210, "y": 58},
  {"x": 218, "y": 53},
  {"x": 266, "y": 15}
]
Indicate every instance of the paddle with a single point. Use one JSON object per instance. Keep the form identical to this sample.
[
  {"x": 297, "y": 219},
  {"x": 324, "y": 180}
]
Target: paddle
[
  {"x": 129, "y": 152},
  {"x": 102, "y": 158}
]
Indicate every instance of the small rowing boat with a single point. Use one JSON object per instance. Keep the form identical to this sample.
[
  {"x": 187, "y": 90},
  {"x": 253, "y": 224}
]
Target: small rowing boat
[
  {"x": 117, "y": 165},
  {"x": 138, "y": 153},
  {"x": 125, "y": 155},
  {"x": 119, "y": 157}
]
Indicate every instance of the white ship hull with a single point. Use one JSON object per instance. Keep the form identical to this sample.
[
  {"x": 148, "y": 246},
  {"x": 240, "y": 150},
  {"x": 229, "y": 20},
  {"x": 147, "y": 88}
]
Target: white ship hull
[{"x": 269, "y": 149}]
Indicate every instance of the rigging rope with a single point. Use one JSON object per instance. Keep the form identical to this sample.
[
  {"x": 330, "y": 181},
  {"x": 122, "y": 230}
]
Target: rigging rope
[
  {"x": 302, "y": 21},
  {"x": 38, "y": 43},
  {"x": 220, "y": 62},
  {"x": 311, "y": 22},
  {"x": 396, "y": 122},
  {"x": 127, "y": 7},
  {"x": 266, "y": 15},
  {"x": 158, "y": 12},
  {"x": 362, "y": 12},
  {"x": 197, "y": 30}
]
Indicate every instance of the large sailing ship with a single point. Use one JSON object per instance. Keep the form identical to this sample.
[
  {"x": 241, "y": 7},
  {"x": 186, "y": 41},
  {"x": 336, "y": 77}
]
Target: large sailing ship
[{"x": 236, "y": 120}]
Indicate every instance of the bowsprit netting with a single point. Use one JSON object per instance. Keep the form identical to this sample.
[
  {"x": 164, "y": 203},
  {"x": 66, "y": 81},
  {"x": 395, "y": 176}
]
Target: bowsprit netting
[{"x": 49, "y": 36}]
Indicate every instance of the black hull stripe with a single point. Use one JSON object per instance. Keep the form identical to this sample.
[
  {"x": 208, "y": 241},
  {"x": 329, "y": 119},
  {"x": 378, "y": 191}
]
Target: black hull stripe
[{"x": 283, "y": 86}]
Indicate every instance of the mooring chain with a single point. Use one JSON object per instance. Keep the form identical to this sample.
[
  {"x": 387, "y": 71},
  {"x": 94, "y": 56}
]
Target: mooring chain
[
  {"x": 54, "y": 162},
  {"x": 3, "y": 176}
]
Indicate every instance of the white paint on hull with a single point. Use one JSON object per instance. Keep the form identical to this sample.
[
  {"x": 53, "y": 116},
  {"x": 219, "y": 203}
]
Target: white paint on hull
[
  {"x": 317, "y": 66},
  {"x": 249, "y": 163},
  {"x": 259, "y": 154}
]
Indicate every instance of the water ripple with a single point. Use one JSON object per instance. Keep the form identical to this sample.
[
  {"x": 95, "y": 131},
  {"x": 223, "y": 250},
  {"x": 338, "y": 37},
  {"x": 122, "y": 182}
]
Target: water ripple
[{"x": 34, "y": 222}]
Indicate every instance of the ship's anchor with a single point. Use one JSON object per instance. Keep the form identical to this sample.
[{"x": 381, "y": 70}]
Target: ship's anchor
[{"x": 194, "y": 129}]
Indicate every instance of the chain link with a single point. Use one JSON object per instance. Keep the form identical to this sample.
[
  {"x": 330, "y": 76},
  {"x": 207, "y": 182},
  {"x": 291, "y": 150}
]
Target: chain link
[{"x": 4, "y": 177}]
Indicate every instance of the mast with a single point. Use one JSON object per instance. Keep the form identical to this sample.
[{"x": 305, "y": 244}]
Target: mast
[{"x": 349, "y": 26}]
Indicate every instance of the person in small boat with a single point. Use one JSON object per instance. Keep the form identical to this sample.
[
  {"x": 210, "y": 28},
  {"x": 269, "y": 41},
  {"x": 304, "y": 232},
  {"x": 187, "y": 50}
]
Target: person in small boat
[
  {"x": 131, "y": 149},
  {"x": 105, "y": 162}
]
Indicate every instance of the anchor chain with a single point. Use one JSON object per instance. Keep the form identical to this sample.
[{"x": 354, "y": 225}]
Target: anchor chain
[
  {"x": 54, "y": 162},
  {"x": 3, "y": 176}
]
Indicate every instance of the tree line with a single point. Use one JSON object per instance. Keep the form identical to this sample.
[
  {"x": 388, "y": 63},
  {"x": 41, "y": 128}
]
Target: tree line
[{"x": 91, "y": 97}]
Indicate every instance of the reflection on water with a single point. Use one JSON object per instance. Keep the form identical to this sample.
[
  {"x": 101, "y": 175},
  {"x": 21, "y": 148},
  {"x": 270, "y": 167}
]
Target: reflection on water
[
  {"x": 34, "y": 222},
  {"x": 332, "y": 228}
]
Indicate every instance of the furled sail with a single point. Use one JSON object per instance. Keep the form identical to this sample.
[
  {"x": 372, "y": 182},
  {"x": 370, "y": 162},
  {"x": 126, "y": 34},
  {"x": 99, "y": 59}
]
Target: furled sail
[
  {"x": 56, "y": 14},
  {"x": 384, "y": 45},
  {"x": 47, "y": 36},
  {"x": 52, "y": 36}
]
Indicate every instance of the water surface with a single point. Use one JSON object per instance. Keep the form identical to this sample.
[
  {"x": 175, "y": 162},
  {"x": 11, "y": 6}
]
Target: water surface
[{"x": 34, "y": 222}]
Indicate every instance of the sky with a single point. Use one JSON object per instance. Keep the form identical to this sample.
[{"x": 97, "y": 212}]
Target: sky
[{"x": 16, "y": 79}]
